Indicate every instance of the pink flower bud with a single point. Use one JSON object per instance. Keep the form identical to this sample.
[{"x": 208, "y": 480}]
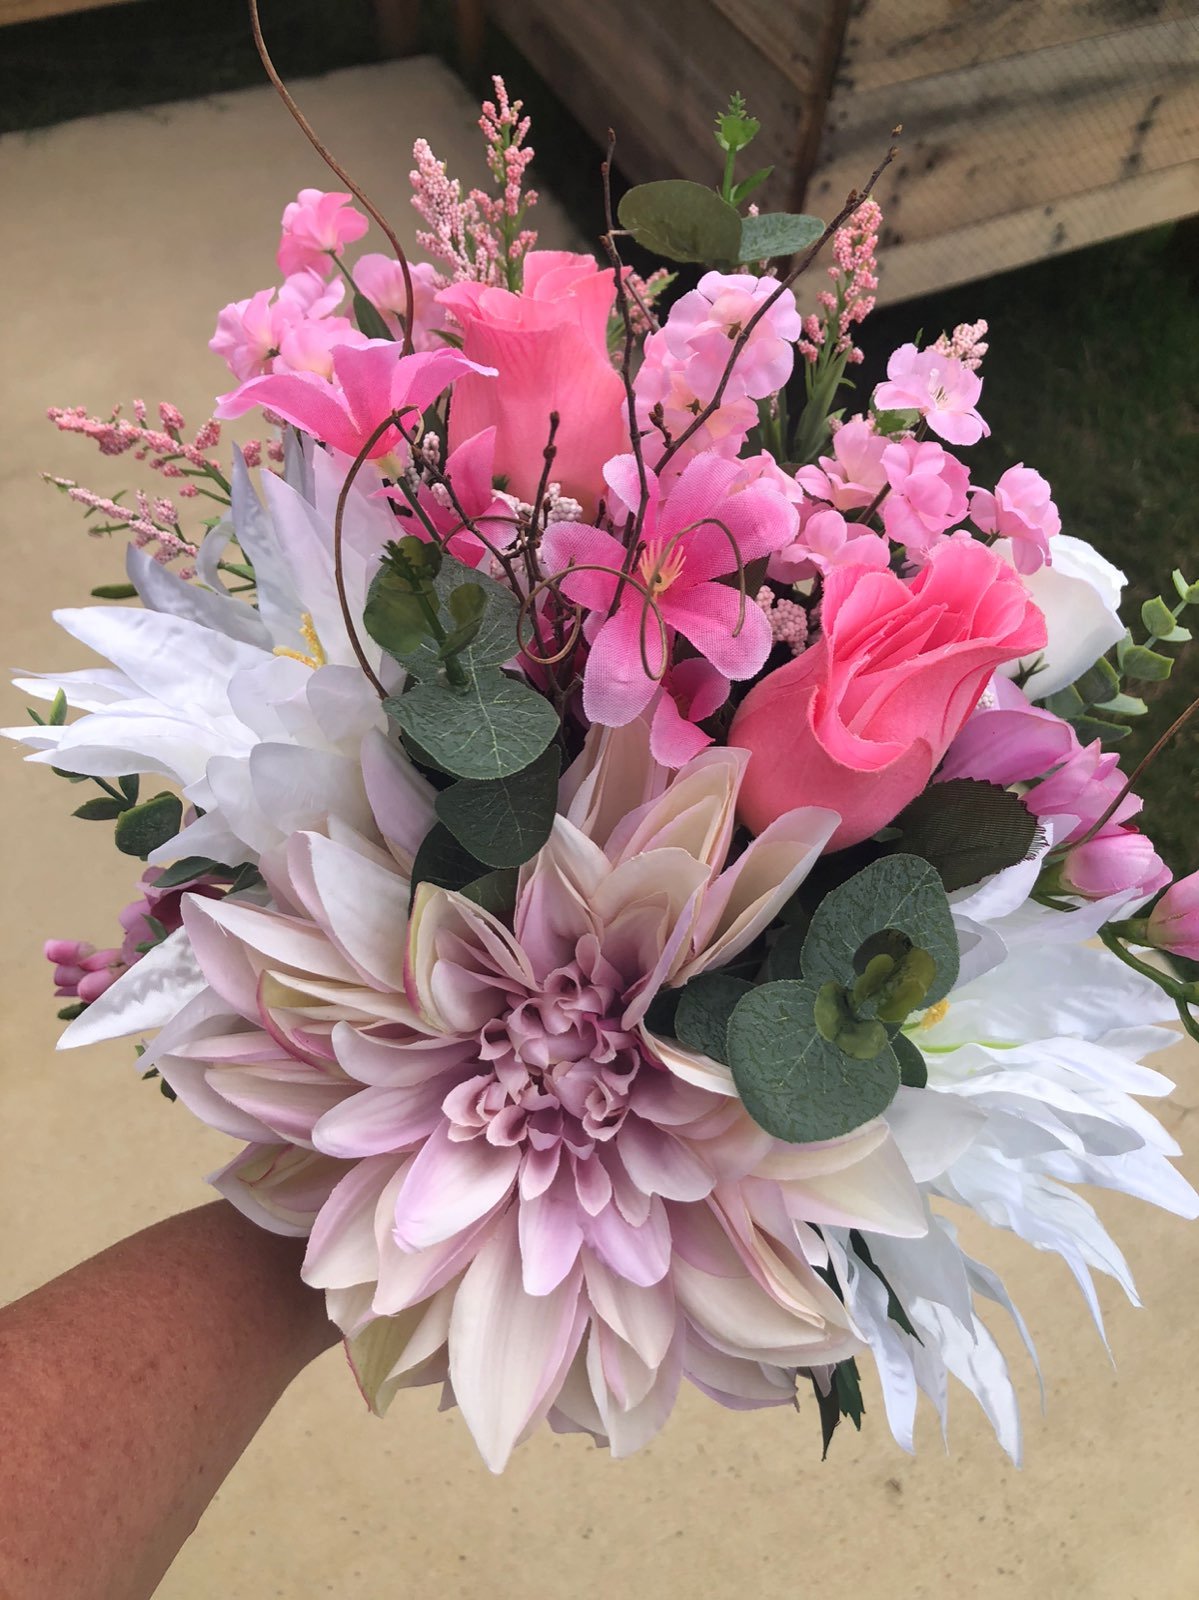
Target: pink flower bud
[
  {"x": 1174, "y": 921},
  {"x": 1114, "y": 863}
]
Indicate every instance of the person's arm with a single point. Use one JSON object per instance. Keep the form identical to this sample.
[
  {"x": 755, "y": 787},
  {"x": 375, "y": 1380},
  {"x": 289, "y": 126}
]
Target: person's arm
[{"x": 129, "y": 1387}]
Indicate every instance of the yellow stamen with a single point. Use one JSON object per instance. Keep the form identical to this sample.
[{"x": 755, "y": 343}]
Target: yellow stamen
[
  {"x": 658, "y": 572},
  {"x": 317, "y": 658},
  {"x": 935, "y": 1014}
]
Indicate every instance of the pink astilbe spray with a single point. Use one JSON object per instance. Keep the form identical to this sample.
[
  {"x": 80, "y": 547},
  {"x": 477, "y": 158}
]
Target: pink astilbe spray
[
  {"x": 966, "y": 344},
  {"x": 480, "y": 238},
  {"x": 855, "y": 275}
]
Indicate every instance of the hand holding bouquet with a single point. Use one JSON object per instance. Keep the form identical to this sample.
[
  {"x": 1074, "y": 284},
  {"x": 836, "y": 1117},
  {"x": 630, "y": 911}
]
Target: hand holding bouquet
[{"x": 633, "y": 836}]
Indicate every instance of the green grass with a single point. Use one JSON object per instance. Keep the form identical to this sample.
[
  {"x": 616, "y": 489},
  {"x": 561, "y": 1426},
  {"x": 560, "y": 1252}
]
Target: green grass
[{"x": 1091, "y": 375}]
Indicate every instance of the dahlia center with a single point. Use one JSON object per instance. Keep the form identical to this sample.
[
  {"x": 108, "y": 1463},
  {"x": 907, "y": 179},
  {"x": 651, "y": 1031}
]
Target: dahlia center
[{"x": 558, "y": 1068}]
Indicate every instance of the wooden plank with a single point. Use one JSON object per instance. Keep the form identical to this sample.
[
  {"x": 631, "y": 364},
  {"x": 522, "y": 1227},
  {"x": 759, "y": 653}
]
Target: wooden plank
[
  {"x": 894, "y": 41},
  {"x": 35, "y": 10},
  {"x": 795, "y": 35},
  {"x": 997, "y": 138},
  {"x": 621, "y": 64},
  {"x": 986, "y": 248}
]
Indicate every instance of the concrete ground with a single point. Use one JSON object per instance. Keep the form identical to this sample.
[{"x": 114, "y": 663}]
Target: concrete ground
[{"x": 125, "y": 235}]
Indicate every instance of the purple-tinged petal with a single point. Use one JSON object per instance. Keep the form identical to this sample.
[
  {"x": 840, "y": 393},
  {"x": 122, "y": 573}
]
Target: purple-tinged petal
[
  {"x": 451, "y": 1185},
  {"x": 550, "y": 1236}
]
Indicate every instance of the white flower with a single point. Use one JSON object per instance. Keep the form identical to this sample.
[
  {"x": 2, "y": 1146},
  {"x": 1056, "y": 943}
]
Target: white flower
[{"x": 1080, "y": 597}]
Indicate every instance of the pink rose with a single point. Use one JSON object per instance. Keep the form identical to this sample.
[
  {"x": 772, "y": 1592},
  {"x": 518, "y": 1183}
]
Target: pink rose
[
  {"x": 550, "y": 346},
  {"x": 859, "y": 722}
]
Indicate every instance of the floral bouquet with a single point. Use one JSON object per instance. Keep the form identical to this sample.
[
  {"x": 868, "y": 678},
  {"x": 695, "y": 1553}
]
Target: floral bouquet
[{"x": 640, "y": 849}]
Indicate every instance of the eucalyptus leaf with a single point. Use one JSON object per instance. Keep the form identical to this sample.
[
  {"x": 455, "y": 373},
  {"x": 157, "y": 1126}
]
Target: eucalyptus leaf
[
  {"x": 141, "y": 829},
  {"x": 900, "y": 893},
  {"x": 682, "y": 221},
  {"x": 497, "y": 617},
  {"x": 113, "y": 591},
  {"x": 189, "y": 868},
  {"x": 705, "y": 1005},
  {"x": 794, "y": 1083},
  {"x": 101, "y": 809},
  {"x": 777, "y": 233},
  {"x": 913, "y": 1069},
  {"x": 1148, "y": 666},
  {"x": 967, "y": 830},
  {"x": 494, "y": 891},
  {"x": 1089, "y": 728},
  {"x": 394, "y": 616},
  {"x": 491, "y": 727},
  {"x": 504, "y": 821},
  {"x": 442, "y": 860},
  {"x": 1098, "y": 682},
  {"x": 747, "y": 186}
]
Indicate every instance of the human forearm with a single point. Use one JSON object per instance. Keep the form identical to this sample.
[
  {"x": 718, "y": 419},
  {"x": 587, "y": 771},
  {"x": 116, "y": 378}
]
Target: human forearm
[{"x": 129, "y": 1388}]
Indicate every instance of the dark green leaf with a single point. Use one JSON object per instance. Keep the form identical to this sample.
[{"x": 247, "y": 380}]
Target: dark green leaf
[
  {"x": 1089, "y": 728},
  {"x": 1066, "y": 703},
  {"x": 895, "y": 1308},
  {"x": 849, "y": 1391},
  {"x": 784, "y": 958},
  {"x": 913, "y": 1069},
  {"x": 1149, "y": 666},
  {"x": 746, "y": 187},
  {"x": 188, "y": 868},
  {"x": 370, "y": 319},
  {"x": 900, "y": 892},
  {"x": 394, "y": 617},
  {"x": 682, "y": 221},
  {"x": 967, "y": 830},
  {"x": 165, "y": 1089},
  {"x": 114, "y": 591},
  {"x": 778, "y": 233},
  {"x": 130, "y": 786},
  {"x": 441, "y": 860},
  {"x": 71, "y": 777},
  {"x": 492, "y": 644},
  {"x": 490, "y": 728},
  {"x": 75, "y": 1009},
  {"x": 248, "y": 877},
  {"x": 504, "y": 821},
  {"x": 495, "y": 892},
  {"x": 794, "y": 1083},
  {"x": 144, "y": 828},
  {"x": 101, "y": 809},
  {"x": 705, "y": 1006},
  {"x": 1097, "y": 683}
]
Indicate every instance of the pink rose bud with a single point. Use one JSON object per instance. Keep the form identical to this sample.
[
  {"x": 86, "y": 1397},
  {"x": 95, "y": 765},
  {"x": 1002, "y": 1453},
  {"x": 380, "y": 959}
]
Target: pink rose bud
[
  {"x": 860, "y": 721},
  {"x": 1174, "y": 921},
  {"x": 1114, "y": 863}
]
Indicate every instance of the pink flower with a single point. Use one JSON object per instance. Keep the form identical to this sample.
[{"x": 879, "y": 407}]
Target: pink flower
[
  {"x": 692, "y": 690},
  {"x": 665, "y": 380},
  {"x": 512, "y": 1186},
  {"x": 1010, "y": 741},
  {"x": 1174, "y": 921},
  {"x": 317, "y": 226},
  {"x": 940, "y": 387},
  {"x": 1116, "y": 861},
  {"x": 309, "y": 346},
  {"x": 382, "y": 282},
  {"x": 370, "y": 381},
  {"x": 860, "y": 721},
  {"x": 250, "y": 332},
  {"x": 1020, "y": 510},
  {"x": 549, "y": 346},
  {"x": 825, "y": 541},
  {"x": 854, "y": 474},
  {"x": 691, "y": 536},
  {"x": 704, "y": 324},
  {"x": 928, "y": 493},
  {"x": 470, "y": 470}
]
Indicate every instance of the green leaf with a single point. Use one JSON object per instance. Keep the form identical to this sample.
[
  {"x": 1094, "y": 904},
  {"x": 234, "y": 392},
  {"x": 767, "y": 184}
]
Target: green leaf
[
  {"x": 900, "y": 892},
  {"x": 494, "y": 640},
  {"x": 794, "y": 1083},
  {"x": 1189, "y": 592},
  {"x": 102, "y": 809},
  {"x": 441, "y": 860},
  {"x": 734, "y": 128},
  {"x": 394, "y": 616},
  {"x": 784, "y": 958},
  {"x": 682, "y": 221},
  {"x": 370, "y": 319},
  {"x": 248, "y": 877},
  {"x": 967, "y": 830},
  {"x": 143, "y": 828},
  {"x": 494, "y": 891},
  {"x": 1149, "y": 666},
  {"x": 1124, "y": 705},
  {"x": 489, "y": 728},
  {"x": 777, "y": 233},
  {"x": 913, "y": 1069},
  {"x": 890, "y": 422},
  {"x": 849, "y": 1391},
  {"x": 130, "y": 786},
  {"x": 504, "y": 821},
  {"x": 705, "y": 1005},
  {"x": 188, "y": 868},
  {"x": 75, "y": 1009},
  {"x": 1098, "y": 682},
  {"x": 895, "y": 1308},
  {"x": 1089, "y": 728},
  {"x": 58, "y": 710},
  {"x": 114, "y": 591},
  {"x": 1157, "y": 617},
  {"x": 747, "y": 186},
  {"x": 1066, "y": 703}
]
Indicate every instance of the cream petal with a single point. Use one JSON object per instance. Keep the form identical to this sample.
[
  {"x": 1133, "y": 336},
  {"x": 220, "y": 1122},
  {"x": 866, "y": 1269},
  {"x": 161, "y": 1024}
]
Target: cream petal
[{"x": 362, "y": 906}]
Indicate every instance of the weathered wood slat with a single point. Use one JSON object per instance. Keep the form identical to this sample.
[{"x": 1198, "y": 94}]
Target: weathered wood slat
[
  {"x": 893, "y": 41},
  {"x": 980, "y": 251},
  {"x": 34, "y": 10},
  {"x": 1001, "y": 137},
  {"x": 658, "y": 74}
]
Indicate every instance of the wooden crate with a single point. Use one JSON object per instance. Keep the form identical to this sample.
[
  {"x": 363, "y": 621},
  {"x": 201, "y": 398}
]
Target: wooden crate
[{"x": 1030, "y": 126}]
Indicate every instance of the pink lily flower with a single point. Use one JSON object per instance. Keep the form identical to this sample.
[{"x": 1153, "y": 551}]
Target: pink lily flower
[
  {"x": 692, "y": 535},
  {"x": 368, "y": 382}
]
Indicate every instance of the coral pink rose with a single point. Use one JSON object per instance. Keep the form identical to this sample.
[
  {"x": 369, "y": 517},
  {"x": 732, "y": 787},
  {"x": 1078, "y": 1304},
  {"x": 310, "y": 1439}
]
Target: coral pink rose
[
  {"x": 550, "y": 344},
  {"x": 859, "y": 722}
]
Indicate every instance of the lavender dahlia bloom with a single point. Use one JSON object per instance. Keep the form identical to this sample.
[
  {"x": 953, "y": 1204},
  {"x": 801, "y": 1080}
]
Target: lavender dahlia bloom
[{"x": 512, "y": 1186}]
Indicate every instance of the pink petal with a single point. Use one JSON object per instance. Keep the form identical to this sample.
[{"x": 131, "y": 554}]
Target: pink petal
[
  {"x": 616, "y": 685},
  {"x": 449, "y": 1186},
  {"x": 376, "y": 1121},
  {"x": 659, "y": 1163},
  {"x": 733, "y": 635},
  {"x": 644, "y": 1316},
  {"x": 642, "y": 1254},
  {"x": 550, "y": 1236},
  {"x": 341, "y": 1249},
  {"x": 673, "y": 740},
  {"x": 567, "y": 544}
]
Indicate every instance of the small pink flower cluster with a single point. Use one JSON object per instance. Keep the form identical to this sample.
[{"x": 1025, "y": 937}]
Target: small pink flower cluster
[
  {"x": 686, "y": 360},
  {"x": 162, "y": 448},
  {"x": 151, "y": 522},
  {"x": 967, "y": 343},
  {"x": 855, "y": 274},
  {"x": 788, "y": 620},
  {"x": 479, "y": 238}
]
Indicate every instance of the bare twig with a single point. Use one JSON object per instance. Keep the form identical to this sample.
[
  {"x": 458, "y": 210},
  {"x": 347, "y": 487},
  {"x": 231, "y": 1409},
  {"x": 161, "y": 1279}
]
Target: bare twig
[
  {"x": 326, "y": 156},
  {"x": 392, "y": 420},
  {"x": 1138, "y": 773},
  {"x": 630, "y": 337}
]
